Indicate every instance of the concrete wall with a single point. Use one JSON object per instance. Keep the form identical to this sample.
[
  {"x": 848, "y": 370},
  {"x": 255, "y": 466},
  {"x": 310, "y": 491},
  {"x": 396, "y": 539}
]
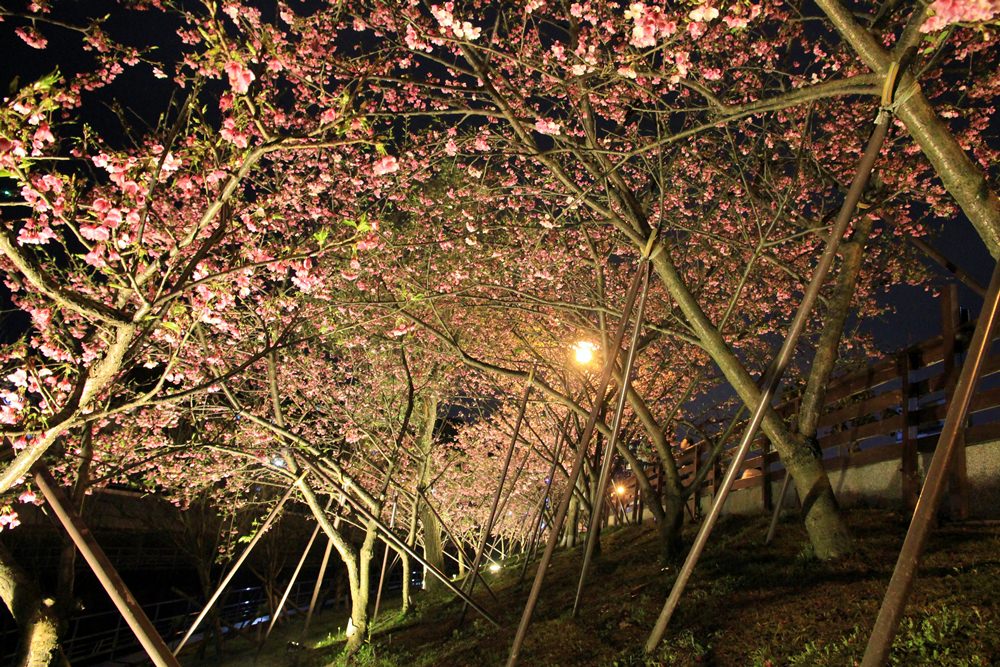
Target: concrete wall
[{"x": 880, "y": 484}]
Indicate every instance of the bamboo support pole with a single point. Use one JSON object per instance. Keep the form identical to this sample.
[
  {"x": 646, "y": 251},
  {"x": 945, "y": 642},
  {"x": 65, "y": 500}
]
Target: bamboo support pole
[
  {"x": 581, "y": 453},
  {"x": 239, "y": 563},
  {"x": 144, "y": 630},
  {"x": 294, "y": 578},
  {"x": 385, "y": 561},
  {"x": 898, "y": 592},
  {"x": 609, "y": 455},
  {"x": 318, "y": 586},
  {"x": 777, "y": 507},
  {"x": 496, "y": 496},
  {"x": 401, "y": 545},
  {"x": 540, "y": 512},
  {"x": 772, "y": 377}
]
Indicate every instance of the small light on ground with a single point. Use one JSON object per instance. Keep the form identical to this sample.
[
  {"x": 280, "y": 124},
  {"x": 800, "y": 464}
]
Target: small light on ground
[{"x": 494, "y": 567}]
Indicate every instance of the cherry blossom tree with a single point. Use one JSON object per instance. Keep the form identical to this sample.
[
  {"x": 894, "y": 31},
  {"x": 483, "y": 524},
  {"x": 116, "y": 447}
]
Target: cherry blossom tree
[{"x": 707, "y": 125}]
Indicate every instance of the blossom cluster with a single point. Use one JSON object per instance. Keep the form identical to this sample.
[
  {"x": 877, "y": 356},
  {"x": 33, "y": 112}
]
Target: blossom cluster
[{"x": 947, "y": 12}]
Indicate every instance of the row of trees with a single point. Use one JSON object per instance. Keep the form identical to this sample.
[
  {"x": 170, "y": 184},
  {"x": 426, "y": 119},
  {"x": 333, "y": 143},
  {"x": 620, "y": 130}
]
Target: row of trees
[{"x": 335, "y": 252}]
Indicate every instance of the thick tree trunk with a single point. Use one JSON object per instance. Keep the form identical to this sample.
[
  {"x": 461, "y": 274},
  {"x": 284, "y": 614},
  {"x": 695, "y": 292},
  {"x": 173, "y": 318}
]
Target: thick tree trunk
[
  {"x": 32, "y": 613},
  {"x": 406, "y": 564},
  {"x": 359, "y": 577},
  {"x": 828, "y": 345},
  {"x": 433, "y": 549},
  {"x": 827, "y": 532},
  {"x": 572, "y": 518}
]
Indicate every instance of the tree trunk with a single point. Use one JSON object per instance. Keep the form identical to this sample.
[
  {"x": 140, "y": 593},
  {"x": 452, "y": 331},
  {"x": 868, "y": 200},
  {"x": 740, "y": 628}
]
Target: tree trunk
[
  {"x": 407, "y": 563},
  {"x": 572, "y": 518},
  {"x": 671, "y": 544},
  {"x": 827, "y": 532},
  {"x": 32, "y": 613},
  {"x": 827, "y": 347},
  {"x": 359, "y": 578},
  {"x": 433, "y": 550}
]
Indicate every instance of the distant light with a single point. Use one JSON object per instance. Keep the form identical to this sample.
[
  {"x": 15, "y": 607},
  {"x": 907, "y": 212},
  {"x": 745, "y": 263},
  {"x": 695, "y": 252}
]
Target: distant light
[
  {"x": 278, "y": 462},
  {"x": 620, "y": 490},
  {"x": 583, "y": 351},
  {"x": 494, "y": 567}
]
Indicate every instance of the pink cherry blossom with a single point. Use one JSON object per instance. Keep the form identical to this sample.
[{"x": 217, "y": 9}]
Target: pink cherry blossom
[
  {"x": 947, "y": 12},
  {"x": 385, "y": 165},
  {"x": 546, "y": 126},
  {"x": 32, "y": 37},
  {"x": 239, "y": 76}
]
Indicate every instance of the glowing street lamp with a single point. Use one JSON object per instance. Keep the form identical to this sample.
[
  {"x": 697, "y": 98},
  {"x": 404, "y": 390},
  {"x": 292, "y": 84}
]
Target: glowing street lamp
[
  {"x": 583, "y": 351},
  {"x": 620, "y": 490}
]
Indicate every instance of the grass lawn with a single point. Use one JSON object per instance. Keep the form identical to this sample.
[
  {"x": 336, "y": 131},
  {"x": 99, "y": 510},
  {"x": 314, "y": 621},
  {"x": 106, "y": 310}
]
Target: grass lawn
[{"x": 747, "y": 604}]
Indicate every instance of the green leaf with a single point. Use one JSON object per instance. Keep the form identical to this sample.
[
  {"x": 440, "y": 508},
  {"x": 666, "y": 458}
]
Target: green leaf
[{"x": 47, "y": 81}]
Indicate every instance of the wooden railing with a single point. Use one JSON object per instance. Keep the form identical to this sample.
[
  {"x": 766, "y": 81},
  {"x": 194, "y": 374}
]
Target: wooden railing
[{"x": 892, "y": 410}]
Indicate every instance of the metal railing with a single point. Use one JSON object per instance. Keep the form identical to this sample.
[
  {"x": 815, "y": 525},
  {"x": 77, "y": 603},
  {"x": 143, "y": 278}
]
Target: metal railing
[{"x": 103, "y": 636}]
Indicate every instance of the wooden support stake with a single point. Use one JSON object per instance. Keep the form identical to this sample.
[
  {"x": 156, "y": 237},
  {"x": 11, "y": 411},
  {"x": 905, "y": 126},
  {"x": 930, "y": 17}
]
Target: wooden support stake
[
  {"x": 496, "y": 496},
  {"x": 898, "y": 592},
  {"x": 385, "y": 561},
  {"x": 777, "y": 507},
  {"x": 611, "y": 358},
  {"x": 908, "y": 437},
  {"x": 772, "y": 377},
  {"x": 239, "y": 563},
  {"x": 291, "y": 582},
  {"x": 561, "y": 438},
  {"x": 765, "y": 476},
  {"x": 318, "y": 586},
  {"x": 958, "y": 482},
  {"x": 145, "y": 632},
  {"x": 609, "y": 456}
]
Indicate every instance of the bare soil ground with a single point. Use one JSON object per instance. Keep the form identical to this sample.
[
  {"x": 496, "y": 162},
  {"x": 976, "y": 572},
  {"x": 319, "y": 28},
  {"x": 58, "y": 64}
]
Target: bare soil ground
[{"x": 747, "y": 604}]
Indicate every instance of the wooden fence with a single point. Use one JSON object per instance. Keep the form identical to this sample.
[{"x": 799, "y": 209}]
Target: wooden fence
[{"x": 892, "y": 410}]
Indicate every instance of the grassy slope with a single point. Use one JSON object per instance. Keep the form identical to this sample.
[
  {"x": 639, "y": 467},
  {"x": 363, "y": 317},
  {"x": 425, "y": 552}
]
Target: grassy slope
[{"x": 746, "y": 605}]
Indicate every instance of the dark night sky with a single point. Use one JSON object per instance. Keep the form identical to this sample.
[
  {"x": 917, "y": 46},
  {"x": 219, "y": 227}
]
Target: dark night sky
[{"x": 917, "y": 313}]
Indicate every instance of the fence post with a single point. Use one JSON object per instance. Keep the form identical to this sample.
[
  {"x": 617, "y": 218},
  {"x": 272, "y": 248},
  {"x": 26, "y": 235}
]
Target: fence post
[
  {"x": 716, "y": 476},
  {"x": 958, "y": 479},
  {"x": 765, "y": 476},
  {"x": 696, "y": 491},
  {"x": 908, "y": 453}
]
